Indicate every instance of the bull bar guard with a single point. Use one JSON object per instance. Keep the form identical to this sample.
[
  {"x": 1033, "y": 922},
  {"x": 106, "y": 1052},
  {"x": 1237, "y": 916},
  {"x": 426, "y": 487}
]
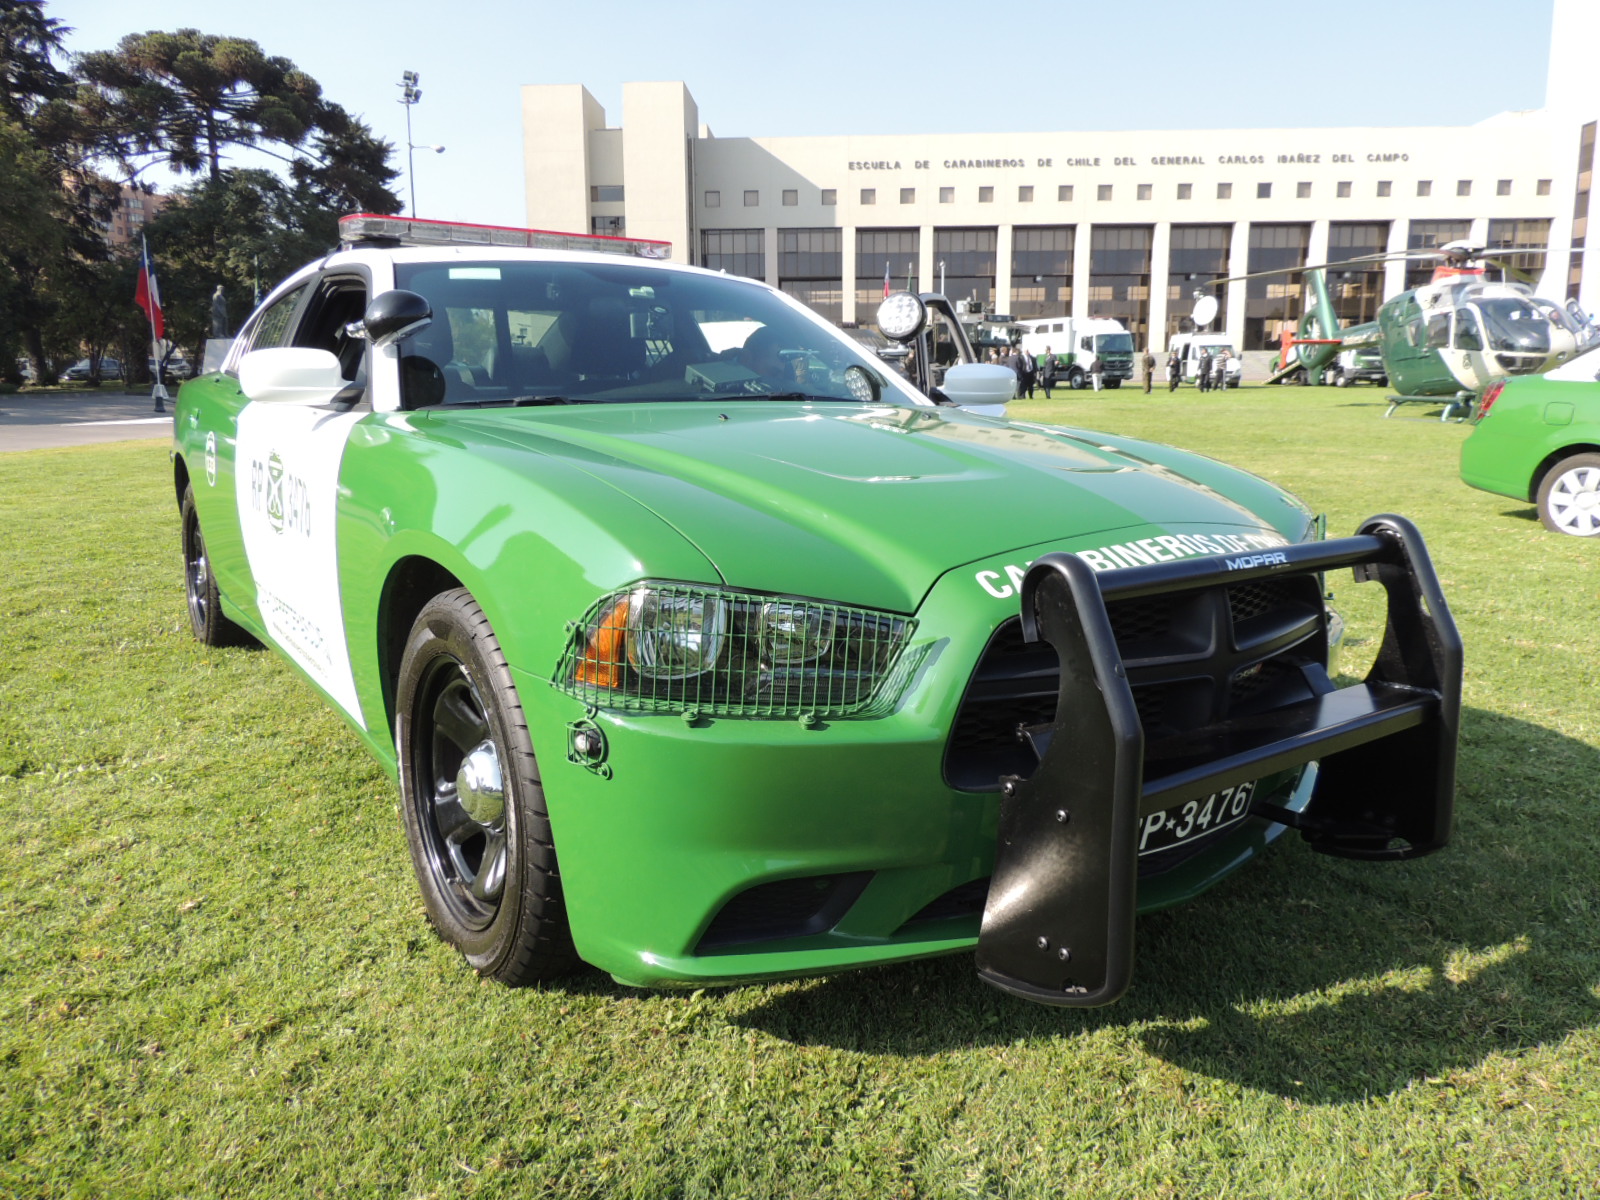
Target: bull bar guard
[{"x": 1058, "y": 924}]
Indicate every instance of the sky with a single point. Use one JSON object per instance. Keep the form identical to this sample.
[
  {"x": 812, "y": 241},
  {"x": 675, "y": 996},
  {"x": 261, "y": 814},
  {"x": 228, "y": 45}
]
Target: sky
[{"x": 830, "y": 67}]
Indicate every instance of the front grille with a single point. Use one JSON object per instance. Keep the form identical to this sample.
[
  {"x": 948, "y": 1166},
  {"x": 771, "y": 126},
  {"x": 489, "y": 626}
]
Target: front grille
[{"x": 1193, "y": 658}]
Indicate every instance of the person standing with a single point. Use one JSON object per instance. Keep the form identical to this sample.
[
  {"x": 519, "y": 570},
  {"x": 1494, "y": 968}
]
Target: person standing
[
  {"x": 1219, "y": 370},
  {"x": 1149, "y": 369},
  {"x": 1026, "y": 370},
  {"x": 1096, "y": 371},
  {"x": 1202, "y": 371},
  {"x": 1174, "y": 371},
  {"x": 1047, "y": 372}
]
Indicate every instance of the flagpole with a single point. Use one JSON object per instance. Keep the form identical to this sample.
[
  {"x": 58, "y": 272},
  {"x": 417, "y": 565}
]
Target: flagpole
[{"x": 159, "y": 392}]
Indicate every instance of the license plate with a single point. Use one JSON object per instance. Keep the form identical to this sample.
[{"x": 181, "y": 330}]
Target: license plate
[{"x": 1194, "y": 818}]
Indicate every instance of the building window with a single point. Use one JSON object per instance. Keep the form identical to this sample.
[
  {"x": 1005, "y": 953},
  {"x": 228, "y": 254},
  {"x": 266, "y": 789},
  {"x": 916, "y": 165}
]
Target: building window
[
  {"x": 606, "y": 193},
  {"x": 1064, "y": 192},
  {"x": 713, "y": 199},
  {"x": 1543, "y": 189},
  {"x": 1463, "y": 187},
  {"x": 1198, "y": 255},
  {"x": 986, "y": 195},
  {"x": 1302, "y": 191},
  {"x": 1119, "y": 276},
  {"x": 752, "y": 198},
  {"x": 880, "y": 254},
  {"x": 969, "y": 257},
  {"x": 1385, "y": 187},
  {"x": 1025, "y": 194},
  {"x": 1581, "y": 197},
  {"x": 1424, "y": 187},
  {"x": 1272, "y": 306},
  {"x": 1224, "y": 191},
  {"x": 869, "y": 195},
  {"x": 908, "y": 195},
  {"x": 608, "y": 226},
  {"x": 736, "y": 251},
  {"x": 1527, "y": 234},
  {"x": 1343, "y": 190},
  {"x": 1185, "y": 191},
  {"x": 1041, "y": 270},
  {"x": 791, "y": 197},
  {"x": 1145, "y": 191},
  {"x": 1503, "y": 188},
  {"x": 811, "y": 269},
  {"x": 1263, "y": 191},
  {"x": 1357, "y": 288},
  {"x": 947, "y": 195},
  {"x": 1430, "y": 235},
  {"x": 1103, "y": 192},
  {"x": 830, "y": 197}
]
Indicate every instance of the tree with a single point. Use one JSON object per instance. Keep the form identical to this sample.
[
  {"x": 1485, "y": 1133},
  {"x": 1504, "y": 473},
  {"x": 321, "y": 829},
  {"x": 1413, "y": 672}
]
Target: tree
[{"x": 184, "y": 98}]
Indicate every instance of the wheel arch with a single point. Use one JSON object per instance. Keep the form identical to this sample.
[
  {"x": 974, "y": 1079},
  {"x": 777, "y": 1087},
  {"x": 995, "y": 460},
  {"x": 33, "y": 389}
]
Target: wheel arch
[
  {"x": 180, "y": 478},
  {"x": 1551, "y": 460},
  {"x": 412, "y": 582}
]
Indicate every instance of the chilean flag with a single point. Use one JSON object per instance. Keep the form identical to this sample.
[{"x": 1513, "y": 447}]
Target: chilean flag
[
  {"x": 147, "y": 295},
  {"x": 886, "y": 278}
]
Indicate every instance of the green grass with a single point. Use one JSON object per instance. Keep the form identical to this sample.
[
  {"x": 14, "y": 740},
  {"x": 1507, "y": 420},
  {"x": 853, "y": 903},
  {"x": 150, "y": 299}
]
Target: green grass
[{"x": 216, "y": 978}]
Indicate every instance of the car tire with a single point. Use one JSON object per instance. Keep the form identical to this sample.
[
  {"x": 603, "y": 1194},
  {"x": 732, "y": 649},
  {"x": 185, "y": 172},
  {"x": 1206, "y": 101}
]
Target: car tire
[
  {"x": 472, "y": 801},
  {"x": 1075, "y": 379},
  {"x": 1569, "y": 496},
  {"x": 1113, "y": 383},
  {"x": 1340, "y": 379},
  {"x": 206, "y": 619}
]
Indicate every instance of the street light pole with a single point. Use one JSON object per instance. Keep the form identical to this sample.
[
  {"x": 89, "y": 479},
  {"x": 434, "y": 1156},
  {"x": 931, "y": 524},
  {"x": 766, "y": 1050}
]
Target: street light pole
[{"x": 410, "y": 93}]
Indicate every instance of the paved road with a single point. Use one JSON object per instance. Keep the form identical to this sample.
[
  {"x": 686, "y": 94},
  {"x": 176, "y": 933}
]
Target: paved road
[{"x": 52, "y": 419}]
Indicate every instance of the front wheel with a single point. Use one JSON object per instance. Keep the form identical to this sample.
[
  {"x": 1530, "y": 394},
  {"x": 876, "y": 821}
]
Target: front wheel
[
  {"x": 1113, "y": 383},
  {"x": 472, "y": 799},
  {"x": 1340, "y": 379},
  {"x": 206, "y": 620},
  {"x": 1569, "y": 496},
  {"x": 1075, "y": 379}
]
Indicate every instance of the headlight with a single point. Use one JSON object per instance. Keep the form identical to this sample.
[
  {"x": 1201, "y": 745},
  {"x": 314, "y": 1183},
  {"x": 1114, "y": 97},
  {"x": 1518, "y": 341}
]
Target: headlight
[{"x": 665, "y": 647}]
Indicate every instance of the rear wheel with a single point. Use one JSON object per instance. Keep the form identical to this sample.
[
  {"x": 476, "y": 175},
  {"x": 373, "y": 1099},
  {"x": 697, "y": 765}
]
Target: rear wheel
[
  {"x": 1075, "y": 379},
  {"x": 472, "y": 799},
  {"x": 1569, "y": 496},
  {"x": 1113, "y": 383},
  {"x": 210, "y": 627},
  {"x": 1340, "y": 379}
]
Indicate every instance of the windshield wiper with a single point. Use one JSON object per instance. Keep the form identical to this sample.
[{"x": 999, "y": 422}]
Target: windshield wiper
[{"x": 514, "y": 402}]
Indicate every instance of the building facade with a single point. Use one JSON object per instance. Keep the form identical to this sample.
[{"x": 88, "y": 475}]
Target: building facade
[{"x": 1129, "y": 225}]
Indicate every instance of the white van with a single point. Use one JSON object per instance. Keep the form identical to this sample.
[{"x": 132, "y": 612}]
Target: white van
[{"x": 1190, "y": 347}]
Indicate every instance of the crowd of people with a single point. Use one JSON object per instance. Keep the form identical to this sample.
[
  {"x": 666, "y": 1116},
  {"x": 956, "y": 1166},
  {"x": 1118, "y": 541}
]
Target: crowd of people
[{"x": 1044, "y": 371}]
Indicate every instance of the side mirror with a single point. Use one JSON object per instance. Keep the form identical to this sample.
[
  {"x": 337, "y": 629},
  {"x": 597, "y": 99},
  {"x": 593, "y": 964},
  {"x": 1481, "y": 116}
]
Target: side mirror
[
  {"x": 290, "y": 375},
  {"x": 984, "y": 388},
  {"x": 392, "y": 316}
]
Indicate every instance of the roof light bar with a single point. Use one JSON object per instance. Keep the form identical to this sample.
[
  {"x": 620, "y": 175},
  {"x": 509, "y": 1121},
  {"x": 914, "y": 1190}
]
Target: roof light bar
[{"x": 409, "y": 231}]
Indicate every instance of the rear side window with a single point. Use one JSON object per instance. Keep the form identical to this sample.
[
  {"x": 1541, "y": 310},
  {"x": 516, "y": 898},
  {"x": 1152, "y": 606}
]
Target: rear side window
[{"x": 273, "y": 326}]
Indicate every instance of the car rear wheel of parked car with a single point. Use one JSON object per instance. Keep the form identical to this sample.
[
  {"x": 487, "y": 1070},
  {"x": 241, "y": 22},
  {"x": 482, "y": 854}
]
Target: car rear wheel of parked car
[
  {"x": 472, "y": 800},
  {"x": 1569, "y": 496},
  {"x": 210, "y": 627}
]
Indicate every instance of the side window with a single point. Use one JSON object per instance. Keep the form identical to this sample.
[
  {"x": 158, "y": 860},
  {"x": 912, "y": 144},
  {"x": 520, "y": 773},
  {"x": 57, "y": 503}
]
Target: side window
[
  {"x": 1438, "y": 329},
  {"x": 272, "y": 328},
  {"x": 339, "y": 301},
  {"x": 1468, "y": 336},
  {"x": 1417, "y": 332}
]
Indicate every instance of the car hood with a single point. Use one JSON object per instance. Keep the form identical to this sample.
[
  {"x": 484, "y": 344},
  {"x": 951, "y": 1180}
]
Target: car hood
[{"x": 870, "y": 505}]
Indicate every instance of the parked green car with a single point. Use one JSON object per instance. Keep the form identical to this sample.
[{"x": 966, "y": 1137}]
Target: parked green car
[
  {"x": 704, "y": 647},
  {"x": 1537, "y": 438}
]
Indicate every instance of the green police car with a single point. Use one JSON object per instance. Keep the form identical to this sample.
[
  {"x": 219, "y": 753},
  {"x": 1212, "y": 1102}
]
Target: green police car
[
  {"x": 1537, "y": 438},
  {"x": 705, "y": 647}
]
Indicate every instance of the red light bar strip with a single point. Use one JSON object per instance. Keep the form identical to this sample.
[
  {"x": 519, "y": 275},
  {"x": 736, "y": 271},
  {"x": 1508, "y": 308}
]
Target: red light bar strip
[{"x": 409, "y": 231}]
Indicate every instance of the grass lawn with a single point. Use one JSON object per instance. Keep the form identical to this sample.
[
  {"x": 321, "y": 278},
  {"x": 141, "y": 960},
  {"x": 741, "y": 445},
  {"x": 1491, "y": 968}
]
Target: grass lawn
[{"x": 216, "y": 978}]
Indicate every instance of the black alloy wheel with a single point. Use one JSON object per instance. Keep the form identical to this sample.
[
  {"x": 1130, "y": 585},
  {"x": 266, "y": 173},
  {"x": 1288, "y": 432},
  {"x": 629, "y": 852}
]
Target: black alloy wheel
[
  {"x": 472, "y": 799},
  {"x": 206, "y": 620}
]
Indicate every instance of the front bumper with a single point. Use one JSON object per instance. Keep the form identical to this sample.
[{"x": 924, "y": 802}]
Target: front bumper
[{"x": 1058, "y": 922}]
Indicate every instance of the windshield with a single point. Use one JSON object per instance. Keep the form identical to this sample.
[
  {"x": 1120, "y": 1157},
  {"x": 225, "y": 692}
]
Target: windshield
[
  {"x": 527, "y": 332},
  {"x": 1514, "y": 324},
  {"x": 1112, "y": 343}
]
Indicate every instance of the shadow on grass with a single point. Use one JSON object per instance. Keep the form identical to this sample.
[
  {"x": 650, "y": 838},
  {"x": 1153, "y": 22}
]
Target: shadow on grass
[{"x": 1315, "y": 978}]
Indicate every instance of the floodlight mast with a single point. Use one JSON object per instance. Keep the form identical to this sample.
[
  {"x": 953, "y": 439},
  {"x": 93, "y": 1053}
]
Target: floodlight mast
[{"x": 410, "y": 93}]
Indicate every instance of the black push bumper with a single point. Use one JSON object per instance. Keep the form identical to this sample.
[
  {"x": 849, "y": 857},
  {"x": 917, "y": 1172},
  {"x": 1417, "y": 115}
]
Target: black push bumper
[{"x": 1058, "y": 925}]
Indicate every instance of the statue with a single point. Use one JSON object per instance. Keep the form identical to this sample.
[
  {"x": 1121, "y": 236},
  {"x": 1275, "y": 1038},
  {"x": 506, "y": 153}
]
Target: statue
[{"x": 219, "y": 314}]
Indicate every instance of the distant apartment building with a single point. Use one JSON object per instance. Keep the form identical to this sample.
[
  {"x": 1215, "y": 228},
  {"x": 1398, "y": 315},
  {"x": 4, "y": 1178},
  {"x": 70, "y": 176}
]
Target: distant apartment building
[{"x": 136, "y": 207}]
